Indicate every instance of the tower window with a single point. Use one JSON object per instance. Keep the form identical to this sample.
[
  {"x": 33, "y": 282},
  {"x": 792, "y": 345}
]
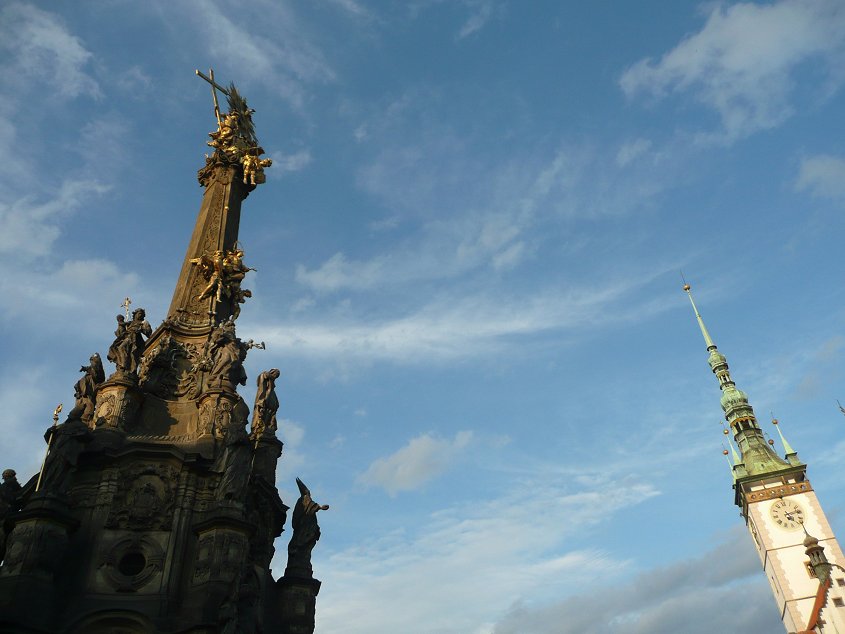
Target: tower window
[
  {"x": 840, "y": 582},
  {"x": 810, "y": 570},
  {"x": 839, "y": 603}
]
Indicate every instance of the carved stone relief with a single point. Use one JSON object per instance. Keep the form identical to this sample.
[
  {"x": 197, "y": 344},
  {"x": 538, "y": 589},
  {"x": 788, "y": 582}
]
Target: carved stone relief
[
  {"x": 145, "y": 498},
  {"x": 132, "y": 562},
  {"x": 169, "y": 370}
]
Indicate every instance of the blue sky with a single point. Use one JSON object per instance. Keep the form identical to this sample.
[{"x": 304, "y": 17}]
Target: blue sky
[{"x": 468, "y": 255}]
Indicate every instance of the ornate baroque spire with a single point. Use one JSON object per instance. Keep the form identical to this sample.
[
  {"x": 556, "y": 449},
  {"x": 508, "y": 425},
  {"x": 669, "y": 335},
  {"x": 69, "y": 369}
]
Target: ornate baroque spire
[{"x": 756, "y": 455}]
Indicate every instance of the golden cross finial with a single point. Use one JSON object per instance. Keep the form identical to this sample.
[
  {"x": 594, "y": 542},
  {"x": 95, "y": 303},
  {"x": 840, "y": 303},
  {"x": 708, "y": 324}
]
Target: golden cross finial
[
  {"x": 126, "y": 303},
  {"x": 214, "y": 88}
]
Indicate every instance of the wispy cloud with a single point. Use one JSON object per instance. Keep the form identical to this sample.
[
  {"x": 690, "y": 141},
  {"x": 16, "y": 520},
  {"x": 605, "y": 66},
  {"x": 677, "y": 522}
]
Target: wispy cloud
[
  {"x": 742, "y": 62},
  {"x": 720, "y": 591},
  {"x": 29, "y": 228},
  {"x": 410, "y": 467},
  {"x": 515, "y": 543},
  {"x": 480, "y": 12},
  {"x": 453, "y": 328},
  {"x": 265, "y": 41},
  {"x": 41, "y": 49},
  {"x": 286, "y": 163},
  {"x": 822, "y": 175}
]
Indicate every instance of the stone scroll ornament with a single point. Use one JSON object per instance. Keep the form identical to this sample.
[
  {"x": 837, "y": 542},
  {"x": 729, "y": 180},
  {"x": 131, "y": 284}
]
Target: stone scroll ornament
[
  {"x": 306, "y": 533},
  {"x": 234, "y": 141}
]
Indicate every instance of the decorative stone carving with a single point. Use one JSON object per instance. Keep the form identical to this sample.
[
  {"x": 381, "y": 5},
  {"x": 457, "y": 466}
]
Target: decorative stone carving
[
  {"x": 85, "y": 390},
  {"x": 132, "y": 562},
  {"x": 118, "y": 402},
  {"x": 35, "y": 548},
  {"x": 240, "y": 612},
  {"x": 169, "y": 369},
  {"x": 306, "y": 533},
  {"x": 221, "y": 553},
  {"x": 144, "y": 500},
  {"x": 266, "y": 405}
]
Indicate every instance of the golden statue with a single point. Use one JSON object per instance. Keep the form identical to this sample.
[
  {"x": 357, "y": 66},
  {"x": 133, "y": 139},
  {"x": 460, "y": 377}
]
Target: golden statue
[{"x": 234, "y": 141}]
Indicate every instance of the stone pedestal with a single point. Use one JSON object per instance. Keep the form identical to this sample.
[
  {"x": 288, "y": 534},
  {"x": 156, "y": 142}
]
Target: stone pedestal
[
  {"x": 221, "y": 554},
  {"x": 118, "y": 403},
  {"x": 216, "y": 407},
  {"x": 297, "y": 603},
  {"x": 267, "y": 448},
  {"x": 35, "y": 551}
]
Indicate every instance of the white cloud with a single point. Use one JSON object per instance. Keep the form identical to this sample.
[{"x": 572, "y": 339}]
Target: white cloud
[
  {"x": 353, "y": 7},
  {"x": 464, "y": 326},
  {"x": 28, "y": 401},
  {"x": 482, "y": 11},
  {"x": 822, "y": 175},
  {"x": 422, "y": 459},
  {"x": 29, "y": 229},
  {"x": 338, "y": 272},
  {"x": 291, "y": 434},
  {"x": 632, "y": 150},
  {"x": 723, "y": 590},
  {"x": 284, "y": 59},
  {"x": 285, "y": 163},
  {"x": 471, "y": 560},
  {"x": 741, "y": 63},
  {"x": 41, "y": 49}
]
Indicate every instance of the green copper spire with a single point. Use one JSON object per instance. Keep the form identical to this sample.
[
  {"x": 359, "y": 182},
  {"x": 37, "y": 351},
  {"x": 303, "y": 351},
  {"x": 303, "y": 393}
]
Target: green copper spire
[
  {"x": 789, "y": 452},
  {"x": 756, "y": 455}
]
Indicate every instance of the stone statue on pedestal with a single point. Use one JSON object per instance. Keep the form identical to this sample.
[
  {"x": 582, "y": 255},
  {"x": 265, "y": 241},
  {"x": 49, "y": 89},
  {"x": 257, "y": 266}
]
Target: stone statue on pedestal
[
  {"x": 236, "y": 456},
  {"x": 266, "y": 405},
  {"x": 65, "y": 442},
  {"x": 306, "y": 533},
  {"x": 9, "y": 491},
  {"x": 226, "y": 354},
  {"x": 85, "y": 390},
  {"x": 129, "y": 342}
]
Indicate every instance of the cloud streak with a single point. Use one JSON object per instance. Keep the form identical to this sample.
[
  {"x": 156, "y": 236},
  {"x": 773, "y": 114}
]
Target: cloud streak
[
  {"x": 822, "y": 176},
  {"x": 721, "y": 591},
  {"x": 742, "y": 63},
  {"x": 410, "y": 467},
  {"x": 474, "y": 560}
]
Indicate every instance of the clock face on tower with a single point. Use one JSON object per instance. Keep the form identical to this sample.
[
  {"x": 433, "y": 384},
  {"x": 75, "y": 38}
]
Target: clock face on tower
[{"x": 787, "y": 514}]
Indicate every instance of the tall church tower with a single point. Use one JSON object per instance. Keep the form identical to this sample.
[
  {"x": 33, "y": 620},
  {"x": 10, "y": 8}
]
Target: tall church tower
[
  {"x": 156, "y": 509},
  {"x": 798, "y": 550}
]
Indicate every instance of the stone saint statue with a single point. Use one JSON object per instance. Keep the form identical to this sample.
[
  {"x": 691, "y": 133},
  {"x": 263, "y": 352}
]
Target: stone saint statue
[
  {"x": 85, "y": 390},
  {"x": 235, "y": 459},
  {"x": 266, "y": 404},
  {"x": 65, "y": 443},
  {"x": 129, "y": 342},
  {"x": 306, "y": 532},
  {"x": 227, "y": 354},
  {"x": 10, "y": 489}
]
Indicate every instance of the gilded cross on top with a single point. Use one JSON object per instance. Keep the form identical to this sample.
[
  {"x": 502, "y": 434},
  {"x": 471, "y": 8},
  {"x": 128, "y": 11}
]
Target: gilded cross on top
[{"x": 234, "y": 141}]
